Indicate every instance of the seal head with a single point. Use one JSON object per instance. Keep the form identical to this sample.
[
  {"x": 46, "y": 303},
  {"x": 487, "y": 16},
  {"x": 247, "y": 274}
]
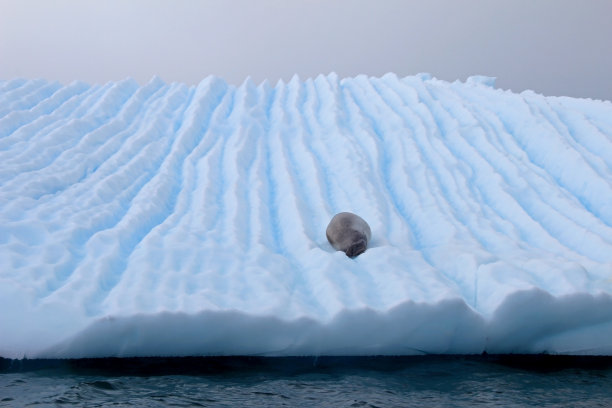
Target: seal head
[{"x": 349, "y": 233}]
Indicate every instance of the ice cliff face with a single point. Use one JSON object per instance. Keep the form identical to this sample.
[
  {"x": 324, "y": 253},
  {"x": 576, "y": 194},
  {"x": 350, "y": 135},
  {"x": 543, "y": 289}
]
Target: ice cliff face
[{"x": 172, "y": 220}]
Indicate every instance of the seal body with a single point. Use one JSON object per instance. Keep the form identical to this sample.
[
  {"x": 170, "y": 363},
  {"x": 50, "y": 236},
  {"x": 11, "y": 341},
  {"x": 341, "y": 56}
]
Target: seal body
[{"x": 349, "y": 233}]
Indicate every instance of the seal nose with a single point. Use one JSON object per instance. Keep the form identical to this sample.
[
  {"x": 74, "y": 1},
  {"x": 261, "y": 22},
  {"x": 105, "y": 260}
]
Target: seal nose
[{"x": 357, "y": 248}]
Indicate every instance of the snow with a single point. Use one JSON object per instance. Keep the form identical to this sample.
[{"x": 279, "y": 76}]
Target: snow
[{"x": 168, "y": 220}]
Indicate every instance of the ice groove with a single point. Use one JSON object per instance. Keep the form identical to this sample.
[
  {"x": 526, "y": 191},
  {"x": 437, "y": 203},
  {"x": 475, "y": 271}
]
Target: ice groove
[
  {"x": 504, "y": 186},
  {"x": 557, "y": 202},
  {"x": 168, "y": 200}
]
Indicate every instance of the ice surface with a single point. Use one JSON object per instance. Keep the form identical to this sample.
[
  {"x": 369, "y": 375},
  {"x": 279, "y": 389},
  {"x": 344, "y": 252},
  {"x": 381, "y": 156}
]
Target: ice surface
[
  {"x": 172, "y": 220},
  {"x": 481, "y": 80}
]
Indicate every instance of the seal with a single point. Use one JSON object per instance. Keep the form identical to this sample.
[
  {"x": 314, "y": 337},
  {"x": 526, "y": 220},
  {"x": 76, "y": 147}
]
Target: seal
[{"x": 349, "y": 233}]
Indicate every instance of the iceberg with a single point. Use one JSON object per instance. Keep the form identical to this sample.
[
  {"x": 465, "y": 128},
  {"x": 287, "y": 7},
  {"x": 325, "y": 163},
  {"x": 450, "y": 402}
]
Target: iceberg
[{"x": 175, "y": 220}]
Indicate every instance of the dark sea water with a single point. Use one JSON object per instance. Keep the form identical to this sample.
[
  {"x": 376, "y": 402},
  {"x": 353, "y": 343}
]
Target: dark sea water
[{"x": 431, "y": 381}]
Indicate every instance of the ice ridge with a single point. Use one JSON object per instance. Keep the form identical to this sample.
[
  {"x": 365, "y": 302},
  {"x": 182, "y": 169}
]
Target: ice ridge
[{"x": 168, "y": 219}]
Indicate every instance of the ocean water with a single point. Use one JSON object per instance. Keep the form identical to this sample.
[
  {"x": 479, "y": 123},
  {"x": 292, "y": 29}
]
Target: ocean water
[{"x": 509, "y": 381}]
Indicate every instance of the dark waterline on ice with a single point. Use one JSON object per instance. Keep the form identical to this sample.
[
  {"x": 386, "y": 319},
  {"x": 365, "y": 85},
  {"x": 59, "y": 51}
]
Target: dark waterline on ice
[{"x": 455, "y": 381}]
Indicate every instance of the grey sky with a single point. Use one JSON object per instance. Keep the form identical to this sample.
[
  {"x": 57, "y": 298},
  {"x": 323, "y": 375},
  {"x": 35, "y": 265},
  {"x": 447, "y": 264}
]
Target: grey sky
[{"x": 556, "y": 47}]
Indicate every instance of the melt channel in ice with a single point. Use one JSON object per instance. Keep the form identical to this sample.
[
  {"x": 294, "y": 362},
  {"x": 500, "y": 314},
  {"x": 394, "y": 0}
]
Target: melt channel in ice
[{"x": 168, "y": 219}]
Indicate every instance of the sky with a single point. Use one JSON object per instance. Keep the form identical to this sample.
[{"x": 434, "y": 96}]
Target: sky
[{"x": 554, "y": 47}]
